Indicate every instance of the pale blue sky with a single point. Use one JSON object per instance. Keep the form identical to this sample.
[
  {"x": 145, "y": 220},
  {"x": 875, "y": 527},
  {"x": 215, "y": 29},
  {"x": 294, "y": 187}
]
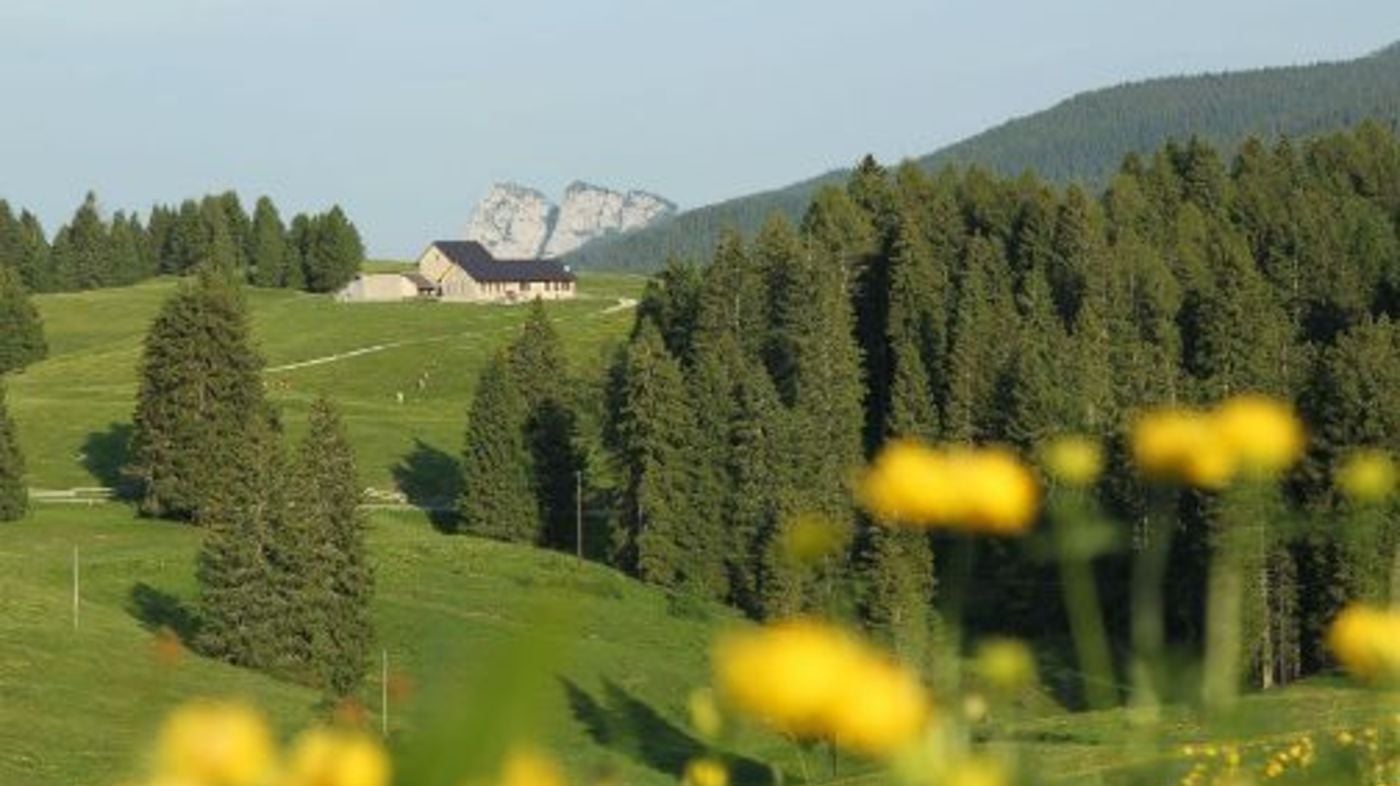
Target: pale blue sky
[{"x": 404, "y": 111}]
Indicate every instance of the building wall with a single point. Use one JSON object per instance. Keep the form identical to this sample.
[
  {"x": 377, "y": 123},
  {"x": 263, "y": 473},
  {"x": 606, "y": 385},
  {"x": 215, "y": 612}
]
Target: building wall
[
  {"x": 458, "y": 287},
  {"x": 377, "y": 288}
]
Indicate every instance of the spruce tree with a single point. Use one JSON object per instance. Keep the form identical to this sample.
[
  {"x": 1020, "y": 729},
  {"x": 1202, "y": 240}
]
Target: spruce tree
[
  {"x": 200, "y": 386},
  {"x": 34, "y": 261},
  {"x": 241, "y": 602},
  {"x": 14, "y": 495},
  {"x": 80, "y": 250},
  {"x": 323, "y": 562},
  {"x": 497, "y": 499},
  {"x": 268, "y": 246},
  {"x": 541, "y": 373},
  {"x": 654, "y": 427},
  {"x": 221, "y": 250},
  {"x": 21, "y": 329}
]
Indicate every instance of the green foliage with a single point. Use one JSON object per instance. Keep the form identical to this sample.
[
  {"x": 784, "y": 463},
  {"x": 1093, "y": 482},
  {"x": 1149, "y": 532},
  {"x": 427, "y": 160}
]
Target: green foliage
[
  {"x": 268, "y": 252},
  {"x": 497, "y": 499},
  {"x": 201, "y": 388},
  {"x": 331, "y": 251},
  {"x": 21, "y": 329},
  {"x": 14, "y": 494}
]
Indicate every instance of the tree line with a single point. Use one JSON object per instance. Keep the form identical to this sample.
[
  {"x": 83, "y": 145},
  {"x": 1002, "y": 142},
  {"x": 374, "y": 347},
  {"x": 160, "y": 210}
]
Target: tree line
[
  {"x": 964, "y": 307},
  {"x": 316, "y": 252}
]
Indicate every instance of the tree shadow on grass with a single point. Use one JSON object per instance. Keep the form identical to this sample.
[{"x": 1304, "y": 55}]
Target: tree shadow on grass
[
  {"x": 431, "y": 479},
  {"x": 105, "y": 456},
  {"x": 156, "y": 609},
  {"x": 627, "y": 725}
]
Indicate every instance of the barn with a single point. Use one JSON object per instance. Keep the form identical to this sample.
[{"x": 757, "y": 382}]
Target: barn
[{"x": 463, "y": 271}]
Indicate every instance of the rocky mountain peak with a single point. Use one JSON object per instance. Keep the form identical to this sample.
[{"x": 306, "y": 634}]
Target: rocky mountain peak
[{"x": 518, "y": 222}]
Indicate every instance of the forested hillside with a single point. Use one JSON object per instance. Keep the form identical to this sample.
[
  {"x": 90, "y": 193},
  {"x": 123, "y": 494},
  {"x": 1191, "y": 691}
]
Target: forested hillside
[
  {"x": 969, "y": 309},
  {"x": 1082, "y": 139}
]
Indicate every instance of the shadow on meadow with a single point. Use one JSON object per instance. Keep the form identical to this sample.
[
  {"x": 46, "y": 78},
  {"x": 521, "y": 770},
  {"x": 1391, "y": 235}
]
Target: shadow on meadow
[
  {"x": 105, "y": 455},
  {"x": 622, "y": 722},
  {"x": 431, "y": 479},
  {"x": 156, "y": 609}
]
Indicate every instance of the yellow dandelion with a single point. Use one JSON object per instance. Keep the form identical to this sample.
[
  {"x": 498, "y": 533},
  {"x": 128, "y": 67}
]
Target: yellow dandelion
[
  {"x": 981, "y": 490},
  {"x": 529, "y": 766},
  {"x": 881, "y": 709},
  {"x": 1001, "y": 493},
  {"x": 706, "y": 772},
  {"x": 215, "y": 744},
  {"x": 910, "y": 482},
  {"x": 1074, "y": 460},
  {"x": 1367, "y": 476},
  {"x": 977, "y": 771},
  {"x": 337, "y": 757},
  {"x": 1006, "y": 665},
  {"x": 1167, "y": 443},
  {"x": 1366, "y": 641},
  {"x": 705, "y": 716},
  {"x": 810, "y": 538},
  {"x": 1263, "y": 433}
]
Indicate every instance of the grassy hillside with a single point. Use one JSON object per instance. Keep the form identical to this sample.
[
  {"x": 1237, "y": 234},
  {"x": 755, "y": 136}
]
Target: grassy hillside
[
  {"x": 74, "y": 409},
  {"x": 1081, "y": 139},
  {"x": 80, "y": 705}
]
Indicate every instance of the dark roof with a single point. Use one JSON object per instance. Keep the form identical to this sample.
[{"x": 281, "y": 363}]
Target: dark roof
[
  {"x": 419, "y": 280},
  {"x": 473, "y": 257}
]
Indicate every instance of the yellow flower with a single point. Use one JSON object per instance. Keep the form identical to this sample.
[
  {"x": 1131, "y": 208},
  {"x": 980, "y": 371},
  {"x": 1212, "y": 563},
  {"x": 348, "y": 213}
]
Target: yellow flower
[
  {"x": 1367, "y": 476},
  {"x": 1263, "y": 433},
  {"x": 977, "y": 771},
  {"x": 705, "y": 716},
  {"x": 1075, "y": 460},
  {"x": 809, "y": 538},
  {"x": 333, "y": 757},
  {"x": 1005, "y": 664},
  {"x": 214, "y": 744},
  {"x": 1366, "y": 641},
  {"x": 813, "y": 680},
  {"x": 706, "y": 772},
  {"x": 881, "y": 709},
  {"x": 1168, "y": 442},
  {"x": 986, "y": 490},
  {"x": 527, "y": 766}
]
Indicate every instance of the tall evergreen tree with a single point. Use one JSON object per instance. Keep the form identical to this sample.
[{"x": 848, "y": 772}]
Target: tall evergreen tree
[
  {"x": 200, "y": 386},
  {"x": 14, "y": 495},
  {"x": 21, "y": 329},
  {"x": 323, "y": 563},
  {"x": 268, "y": 246},
  {"x": 497, "y": 499}
]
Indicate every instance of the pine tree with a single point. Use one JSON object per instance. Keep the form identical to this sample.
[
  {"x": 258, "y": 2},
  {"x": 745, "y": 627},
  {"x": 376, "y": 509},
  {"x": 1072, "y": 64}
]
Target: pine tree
[
  {"x": 671, "y": 301},
  {"x": 124, "y": 241},
  {"x": 187, "y": 244},
  {"x": 325, "y": 565},
  {"x": 80, "y": 250},
  {"x": 34, "y": 261},
  {"x": 200, "y": 386},
  {"x": 332, "y": 251},
  {"x": 268, "y": 246},
  {"x": 757, "y": 434},
  {"x": 653, "y": 427},
  {"x": 541, "y": 373},
  {"x": 21, "y": 329},
  {"x": 497, "y": 499},
  {"x": 714, "y": 386},
  {"x": 221, "y": 249},
  {"x": 14, "y": 495},
  {"x": 240, "y": 600}
]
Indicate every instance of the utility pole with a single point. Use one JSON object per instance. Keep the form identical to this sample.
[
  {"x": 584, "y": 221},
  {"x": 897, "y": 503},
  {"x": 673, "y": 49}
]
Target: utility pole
[
  {"x": 75, "y": 588},
  {"x": 578, "y": 512}
]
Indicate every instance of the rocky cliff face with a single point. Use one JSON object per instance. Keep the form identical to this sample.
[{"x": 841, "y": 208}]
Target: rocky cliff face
[{"x": 515, "y": 222}]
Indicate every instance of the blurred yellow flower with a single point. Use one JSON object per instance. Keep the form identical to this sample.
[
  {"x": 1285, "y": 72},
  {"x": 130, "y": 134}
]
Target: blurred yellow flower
[
  {"x": 986, "y": 490},
  {"x": 1073, "y": 459},
  {"x": 977, "y": 771},
  {"x": 705, "y": 716},
  {"x": 528, "y": 766},
  {"x": 1006, "y": 665},
  {"x": 810, "y": 538},
  {"x": 214, "y": 744},
  {"x": 1263, "y": 433},
  {"x": 1253, "y": 434},
  {"x": 336, "y": 757},
  {"x": 706, "y": 772},
  {"x": 810, "y": 679},
  {"x": 1367, "y": 476},
  {"x": 1366, "y": 641}
]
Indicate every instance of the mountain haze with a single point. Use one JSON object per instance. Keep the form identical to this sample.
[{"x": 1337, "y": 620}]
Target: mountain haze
[{"x": 1083, "y": 138}]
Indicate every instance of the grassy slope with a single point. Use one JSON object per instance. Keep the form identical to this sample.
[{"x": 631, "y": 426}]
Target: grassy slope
[
  {"x": 73, "y": 409},
  {"x": 79, "y": 705}
]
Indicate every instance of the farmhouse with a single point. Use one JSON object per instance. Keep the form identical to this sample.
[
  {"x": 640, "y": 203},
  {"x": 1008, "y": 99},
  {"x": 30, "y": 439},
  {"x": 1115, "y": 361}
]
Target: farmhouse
[{"x": 463, "y": 271}]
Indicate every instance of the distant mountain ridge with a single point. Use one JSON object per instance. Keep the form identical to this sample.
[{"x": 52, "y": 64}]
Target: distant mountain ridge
[
  {"x": 1083, "y": 138},
  {"x": 518, "y": 222}
]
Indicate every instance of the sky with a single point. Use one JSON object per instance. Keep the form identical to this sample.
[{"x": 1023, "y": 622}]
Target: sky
[{"x": 405, "y": 111}]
